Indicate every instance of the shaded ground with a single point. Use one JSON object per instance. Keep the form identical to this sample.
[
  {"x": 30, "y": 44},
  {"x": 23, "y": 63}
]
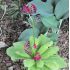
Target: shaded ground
[
  {"x": 10, "y": 32},
  {"x": 63, "y": 41}
]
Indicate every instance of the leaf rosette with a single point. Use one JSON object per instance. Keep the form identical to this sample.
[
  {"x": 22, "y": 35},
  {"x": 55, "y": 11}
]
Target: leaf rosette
[{"x": 38, "y": 54}]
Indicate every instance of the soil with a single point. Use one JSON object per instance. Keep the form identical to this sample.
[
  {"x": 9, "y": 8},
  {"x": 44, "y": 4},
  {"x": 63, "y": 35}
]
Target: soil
[{"x": 10, "y": 32}]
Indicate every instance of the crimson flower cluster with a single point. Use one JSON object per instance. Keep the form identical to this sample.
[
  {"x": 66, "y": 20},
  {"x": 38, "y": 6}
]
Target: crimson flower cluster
[{"x": 29, "y": 9}]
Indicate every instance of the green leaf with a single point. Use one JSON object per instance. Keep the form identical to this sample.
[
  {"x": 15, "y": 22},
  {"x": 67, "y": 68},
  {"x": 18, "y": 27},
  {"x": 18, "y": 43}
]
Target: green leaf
[
  {"x": 61, "y": 8},
  {"x": 13, "y": 56},
  {"x": 50, "y": 1},
  {"x": 66, "y": 15},
  {"x": 50, "y": 51},
  {"x": 53, "y": 36},
  {"x": 55, "y": 62},
  {"x": 19, "y": 44},
  {"x": 44, "y": 8},
  {"x": 43, "y": 40},
  {"x": 34, "y": 68},
  {"x": 45, "y": 47},
  {"x": 22, "y": 54},
  {"x": 32, "y": 41},
  {"x": 29, "y": 63},
  {"x": 17, "y": 52},
  {"x": 25, "y": 35},
  {"x": 52, "y": 65},
  {"x": 50, "y": 21},
  {"x": 38, "y": 25},
  {"x": 56, "y": 1},
  {"x": 45, "y": 68},
  {"x": 40, "y": 63},
  {"x": 60, "y": 61}
]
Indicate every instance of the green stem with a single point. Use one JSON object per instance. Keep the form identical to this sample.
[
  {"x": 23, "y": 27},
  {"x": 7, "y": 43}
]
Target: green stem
[
  {"x": 32, "y": 22},
  {"x": 59, "y": 25}
]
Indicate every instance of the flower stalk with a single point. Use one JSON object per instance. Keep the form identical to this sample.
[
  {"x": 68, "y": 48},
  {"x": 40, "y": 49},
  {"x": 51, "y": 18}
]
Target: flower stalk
[{"x": 32, "y": 22}]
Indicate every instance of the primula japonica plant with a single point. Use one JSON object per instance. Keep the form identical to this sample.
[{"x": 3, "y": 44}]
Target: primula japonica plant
[
  {"x": 52, "y": 13},
  {"x": 38, "y": 54}
]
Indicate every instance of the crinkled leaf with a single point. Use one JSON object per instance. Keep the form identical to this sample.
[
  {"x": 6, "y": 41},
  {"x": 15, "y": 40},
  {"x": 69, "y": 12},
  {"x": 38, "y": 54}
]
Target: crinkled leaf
[
  {"x": 25, "y": 35},
  {"x": 43, "y": 40},
  {"x": 55, "y": 62},
  {"x": 34, "y": 68},
  {"x": 19, "y": 44},
  {"x": 45, "y": 68},
  {"x": 60, "y": 61},
  {"x": 61, "y": 8},
  {"x": 32, "y": 41},
  {"x": 52, "y": 65},
  {"x": 40, "y": 63},
  {"x": 50, "y": 51},
  {"x": 23, "y": 54},
  {"x": 29, "y": 62},
  {"x": 17, "y": 53},
  {"x": 45, "y": 47}
]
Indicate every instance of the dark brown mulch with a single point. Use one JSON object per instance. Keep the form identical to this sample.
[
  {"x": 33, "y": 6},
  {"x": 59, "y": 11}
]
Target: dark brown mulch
[
  {"x": 63, "y": 41},
  {"x": 11, "y": 30},
  {"x": 6, "y": 63},
  {"x": 10, "y": 33}
]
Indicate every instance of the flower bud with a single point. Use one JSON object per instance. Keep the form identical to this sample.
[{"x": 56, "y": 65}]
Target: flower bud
[
  {"x": 35, "y": 46},
  {"x": 37, "y": 56}
]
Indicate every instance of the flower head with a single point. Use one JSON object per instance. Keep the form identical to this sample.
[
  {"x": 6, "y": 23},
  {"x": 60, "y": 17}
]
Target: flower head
[
  {"x": 37, "y": 56},
  {"x": 29, "y": 9},
  {"x": 25, "y": 9},
  {"x": 35, "y": 46},
  {"x": 33, "y": 8}
]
